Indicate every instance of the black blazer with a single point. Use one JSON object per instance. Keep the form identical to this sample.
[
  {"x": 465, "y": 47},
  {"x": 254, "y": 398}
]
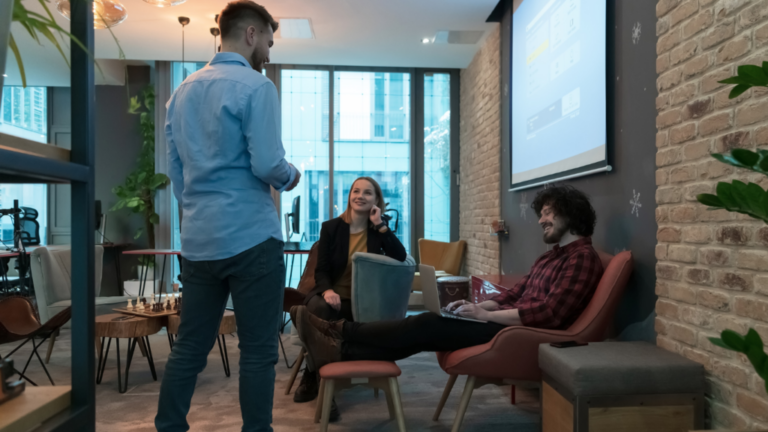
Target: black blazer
[{"x": 333, "y": 252}]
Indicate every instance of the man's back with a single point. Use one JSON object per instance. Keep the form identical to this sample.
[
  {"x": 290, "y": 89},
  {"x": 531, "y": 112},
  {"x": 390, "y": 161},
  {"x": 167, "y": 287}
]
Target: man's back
[{"x": 224, "y": 148}]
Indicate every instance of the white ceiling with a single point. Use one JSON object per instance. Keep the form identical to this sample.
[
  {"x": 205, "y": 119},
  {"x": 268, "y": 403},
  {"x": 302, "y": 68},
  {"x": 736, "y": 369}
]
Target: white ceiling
[{"x": 347, "y": 32}]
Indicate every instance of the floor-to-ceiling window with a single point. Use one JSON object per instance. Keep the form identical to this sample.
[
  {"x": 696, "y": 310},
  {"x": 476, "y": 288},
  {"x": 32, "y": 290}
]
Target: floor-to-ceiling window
[
  {"x": 372, "y": 118},
  {"x": 24, "y": 113},
  {"x": 437, "y": 156}
]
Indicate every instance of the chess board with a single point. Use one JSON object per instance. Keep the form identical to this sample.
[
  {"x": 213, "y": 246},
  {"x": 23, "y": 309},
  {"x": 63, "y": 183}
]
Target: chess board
[{"x": 146, "y": 313}]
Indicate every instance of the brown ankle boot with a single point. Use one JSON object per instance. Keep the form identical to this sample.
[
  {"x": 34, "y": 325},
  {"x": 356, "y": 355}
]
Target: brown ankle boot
[
  {"x": 329, "y": 328},
  {"x": 321, "y": 348}
]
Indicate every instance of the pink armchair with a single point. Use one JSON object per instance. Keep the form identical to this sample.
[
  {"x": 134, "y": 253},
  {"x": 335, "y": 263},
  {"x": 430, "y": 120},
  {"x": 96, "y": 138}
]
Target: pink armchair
[{"x": 514, "y": 353}]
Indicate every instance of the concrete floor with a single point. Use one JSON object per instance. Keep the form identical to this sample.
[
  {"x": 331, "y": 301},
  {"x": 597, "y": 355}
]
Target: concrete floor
[{"x": 215, "y": 403}]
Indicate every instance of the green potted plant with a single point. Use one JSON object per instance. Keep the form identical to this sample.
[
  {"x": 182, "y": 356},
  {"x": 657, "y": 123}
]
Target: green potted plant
[
  {"x": 36, "y": 25},
  {"x": 745, "y": 198},
  {"x": 138, "y": 191}
]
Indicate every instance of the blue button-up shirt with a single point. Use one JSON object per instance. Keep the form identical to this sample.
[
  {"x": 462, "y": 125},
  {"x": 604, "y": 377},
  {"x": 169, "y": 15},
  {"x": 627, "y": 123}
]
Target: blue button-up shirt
[{"x": 224, "y": 152}]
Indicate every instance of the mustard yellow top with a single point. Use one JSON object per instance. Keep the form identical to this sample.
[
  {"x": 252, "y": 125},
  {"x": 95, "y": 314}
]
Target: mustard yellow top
[{"x": 357, "y": 243}]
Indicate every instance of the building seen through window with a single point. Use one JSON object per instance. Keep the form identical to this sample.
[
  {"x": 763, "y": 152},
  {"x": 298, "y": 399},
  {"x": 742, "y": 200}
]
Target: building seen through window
[{"x": 24, "y": 113}]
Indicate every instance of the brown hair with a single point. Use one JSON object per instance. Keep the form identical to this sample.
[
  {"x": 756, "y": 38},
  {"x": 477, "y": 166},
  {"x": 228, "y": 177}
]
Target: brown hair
[
  {"x": 347, "y": 215},
  {"x": 238, "y": 11}
]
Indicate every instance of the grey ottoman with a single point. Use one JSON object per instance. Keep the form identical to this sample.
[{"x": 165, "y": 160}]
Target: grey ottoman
[{"x": 626, "y": 386}]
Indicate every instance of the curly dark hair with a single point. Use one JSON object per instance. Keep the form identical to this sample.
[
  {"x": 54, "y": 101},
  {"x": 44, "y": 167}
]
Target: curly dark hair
[{"x": 570, "y": 203}]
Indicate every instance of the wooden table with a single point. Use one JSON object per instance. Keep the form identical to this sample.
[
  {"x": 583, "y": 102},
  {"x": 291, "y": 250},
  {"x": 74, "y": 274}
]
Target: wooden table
[
  {"x": 154, "y": 253},
  {"x": 119, "y": 326},
  {"x": 228, "y": 326},
  {"x": 33, "y": 407}
]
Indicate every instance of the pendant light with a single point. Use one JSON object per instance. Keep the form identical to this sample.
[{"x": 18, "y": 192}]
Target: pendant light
[
  {"x": 215, "y": 32},
  {"x": 165, "y": 3},
  {"x": 183, "y": 21},
  {"x": 106, "y": 13}
]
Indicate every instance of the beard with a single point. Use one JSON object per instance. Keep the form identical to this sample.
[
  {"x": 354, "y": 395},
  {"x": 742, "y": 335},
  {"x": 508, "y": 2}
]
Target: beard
[
  {"x": 556, "y": 234},
  {"x": 256, "y": 60}
]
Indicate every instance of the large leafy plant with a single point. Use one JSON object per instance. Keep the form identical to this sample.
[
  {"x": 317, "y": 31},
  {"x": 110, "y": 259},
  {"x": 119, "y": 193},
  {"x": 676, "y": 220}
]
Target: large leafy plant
[
  {"x": 141, "y": 185},
  {"x": 745, "y": 198},
  {"x": 36, "y": 25}
]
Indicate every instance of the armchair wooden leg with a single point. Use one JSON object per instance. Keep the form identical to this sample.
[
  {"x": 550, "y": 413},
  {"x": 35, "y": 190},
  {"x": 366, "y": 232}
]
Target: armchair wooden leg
[
  {"x": 390, "y": 404},
  {"x": 446, "y": 393},
  {"x": 296, "y": 368},
  {"x": 512, "y": 395},
  {"x": 51, "y": 341},
  {"x": 468, "y": 388},
  {"x": 394, "y": 388},
  {"x": 319, "y": 405},
  {"x": 327, "y": 402}
]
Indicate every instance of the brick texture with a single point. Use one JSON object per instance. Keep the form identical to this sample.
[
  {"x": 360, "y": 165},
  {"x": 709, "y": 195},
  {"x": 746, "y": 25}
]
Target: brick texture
[
  {"x": 712, "y": 269},
  {"x": 480, "y": 143}
]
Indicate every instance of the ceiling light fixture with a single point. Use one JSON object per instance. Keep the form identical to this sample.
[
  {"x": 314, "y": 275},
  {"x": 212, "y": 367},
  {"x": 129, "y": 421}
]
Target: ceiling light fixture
[
  {"x": 215, "y": 32},
  {"x": 106, "y": 13},
  {"x": 425, "y": 41},
  {"x": 183, "y": 21},
  {"x": 165, "y": 3},
  {"x": 295, "y": 28}
]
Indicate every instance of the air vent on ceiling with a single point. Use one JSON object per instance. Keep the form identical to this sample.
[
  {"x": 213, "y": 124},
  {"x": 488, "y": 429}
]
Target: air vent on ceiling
[
  {"x": 295, "y": 28},
  {"x": 458, "y": 37}
]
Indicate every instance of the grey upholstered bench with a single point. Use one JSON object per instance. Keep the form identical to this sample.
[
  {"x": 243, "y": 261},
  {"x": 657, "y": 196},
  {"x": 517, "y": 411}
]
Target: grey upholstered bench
[{"x": 627, "y": 386}]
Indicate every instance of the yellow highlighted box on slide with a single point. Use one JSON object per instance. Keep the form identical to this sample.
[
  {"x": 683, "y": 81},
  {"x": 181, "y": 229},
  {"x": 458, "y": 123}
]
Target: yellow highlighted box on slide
[{"x": 538, "y": 52}]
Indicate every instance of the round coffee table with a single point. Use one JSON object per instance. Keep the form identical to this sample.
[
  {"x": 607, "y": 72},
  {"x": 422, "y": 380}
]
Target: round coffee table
[
  {"x": 134, "y": 328},
  {"x": 228, "y": 325}
]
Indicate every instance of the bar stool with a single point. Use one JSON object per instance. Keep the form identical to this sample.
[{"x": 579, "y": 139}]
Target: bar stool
[
  {"x": 343, "y": 375},
  {"x": 228, "y": 325}
]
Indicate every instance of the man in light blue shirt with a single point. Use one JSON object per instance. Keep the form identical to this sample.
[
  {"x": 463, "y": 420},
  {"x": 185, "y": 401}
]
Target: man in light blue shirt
[{"x": 224, "y": 153}]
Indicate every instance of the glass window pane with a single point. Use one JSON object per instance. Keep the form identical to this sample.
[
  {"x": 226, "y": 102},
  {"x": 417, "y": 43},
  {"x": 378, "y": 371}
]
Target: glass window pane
[
  {"x": 372, "y": 138},
  {"x": 437, "y": 157},
  {"x": 24, "y": 113},
  {"x": 304, "y": 99}
]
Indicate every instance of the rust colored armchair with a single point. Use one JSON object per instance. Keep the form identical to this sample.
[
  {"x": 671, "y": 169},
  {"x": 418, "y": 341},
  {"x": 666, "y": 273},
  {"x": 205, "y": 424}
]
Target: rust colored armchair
[
  {"x": 514, "y": 353},
  {"x": 18, "y": 321}
]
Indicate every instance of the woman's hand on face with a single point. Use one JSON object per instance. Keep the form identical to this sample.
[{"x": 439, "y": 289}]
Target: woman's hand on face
[
  {"x": 471, "y": 310},
  {"x": 375, "y": 215},
  {"x": 332, "y": 299},
  {"x": 453, "y": 305}
]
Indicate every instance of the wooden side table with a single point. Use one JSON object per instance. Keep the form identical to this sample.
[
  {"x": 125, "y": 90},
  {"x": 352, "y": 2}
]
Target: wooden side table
[
  {"x": 135, "y": 328},
  {"x": 228, "y": 325}
]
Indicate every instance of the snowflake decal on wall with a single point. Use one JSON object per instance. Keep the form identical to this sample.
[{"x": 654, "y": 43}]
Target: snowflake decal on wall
[
  {"x": 524, "y": 207},
  {"x": 636, "y": 30},
  {"x": 635, "y": 202}
]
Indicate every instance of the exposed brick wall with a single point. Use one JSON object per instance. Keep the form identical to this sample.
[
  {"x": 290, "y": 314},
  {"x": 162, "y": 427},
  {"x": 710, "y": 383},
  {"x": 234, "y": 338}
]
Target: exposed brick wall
[
  {"x": 711, "y": 271},
  {"x": 480, "y": 141}
]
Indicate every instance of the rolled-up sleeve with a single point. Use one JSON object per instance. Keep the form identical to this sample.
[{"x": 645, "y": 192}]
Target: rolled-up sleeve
[{"x": 261, "y": 127}]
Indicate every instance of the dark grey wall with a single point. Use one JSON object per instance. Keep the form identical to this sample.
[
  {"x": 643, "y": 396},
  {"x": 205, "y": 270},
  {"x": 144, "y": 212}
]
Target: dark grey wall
[
  {"x": 118, "y": 142},
  {"x": 632, "y": 152}
]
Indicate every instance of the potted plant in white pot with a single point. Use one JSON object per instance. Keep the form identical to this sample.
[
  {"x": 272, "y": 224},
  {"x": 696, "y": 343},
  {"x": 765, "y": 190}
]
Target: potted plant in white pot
[{"x": 745, "y": 198}]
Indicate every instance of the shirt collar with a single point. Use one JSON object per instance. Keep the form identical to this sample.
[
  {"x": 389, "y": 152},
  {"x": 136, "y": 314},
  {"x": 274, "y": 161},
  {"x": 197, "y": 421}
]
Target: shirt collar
[
  {"x": 230, "y": 57},
  {"x": 584, "y": 241}
]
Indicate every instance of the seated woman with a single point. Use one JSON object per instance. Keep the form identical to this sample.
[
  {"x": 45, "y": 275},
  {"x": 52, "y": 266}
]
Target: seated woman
[
  {"x": 358, "y": 229},
  {"x": 553, "y": 295}
]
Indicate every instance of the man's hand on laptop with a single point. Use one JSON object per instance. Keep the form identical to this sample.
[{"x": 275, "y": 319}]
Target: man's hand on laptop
[
  {"x": 471, "y": 310},
  {"x": 454, "y": 305}
]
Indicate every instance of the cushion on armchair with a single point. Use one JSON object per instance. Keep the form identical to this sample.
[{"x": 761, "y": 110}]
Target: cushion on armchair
[{"x": 380, "y": 286}]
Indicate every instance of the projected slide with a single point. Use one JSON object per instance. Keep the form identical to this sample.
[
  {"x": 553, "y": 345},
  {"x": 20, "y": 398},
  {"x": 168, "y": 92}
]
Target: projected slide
[{"x": 558, "y": 113}]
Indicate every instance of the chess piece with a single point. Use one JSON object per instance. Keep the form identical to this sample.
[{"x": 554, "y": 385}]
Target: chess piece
[
  {"x": 139, "y": 306},
  {"x": 168, "y": 303},
  {"x": 130, "y": 305}
]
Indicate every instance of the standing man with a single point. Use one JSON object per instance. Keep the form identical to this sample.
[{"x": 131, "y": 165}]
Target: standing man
[{"x": 224, "y": 153}]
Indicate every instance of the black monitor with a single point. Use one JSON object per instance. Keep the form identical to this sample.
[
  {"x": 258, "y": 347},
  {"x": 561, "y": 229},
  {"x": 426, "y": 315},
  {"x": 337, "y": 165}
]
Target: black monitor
[
  {"x": 296, "y": 215},
  {"x": 98, "y": 214}
]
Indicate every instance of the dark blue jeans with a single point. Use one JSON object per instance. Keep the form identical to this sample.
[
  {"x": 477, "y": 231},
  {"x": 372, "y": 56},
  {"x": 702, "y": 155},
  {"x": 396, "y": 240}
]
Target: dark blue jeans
[{"x": 256, "y": 279}]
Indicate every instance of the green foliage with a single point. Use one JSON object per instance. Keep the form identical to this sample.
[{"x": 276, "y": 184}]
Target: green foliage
[
  {"x": 36, "y": 24},
  {"x": 751, "y": 345},
  {"x": 748, "y": 76},
  {"x": 138, "y": 191}
]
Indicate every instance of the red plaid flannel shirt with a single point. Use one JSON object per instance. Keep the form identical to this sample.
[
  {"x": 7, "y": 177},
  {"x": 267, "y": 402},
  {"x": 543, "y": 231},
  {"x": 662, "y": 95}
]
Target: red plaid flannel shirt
[{"x": 558, "y": 287}]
